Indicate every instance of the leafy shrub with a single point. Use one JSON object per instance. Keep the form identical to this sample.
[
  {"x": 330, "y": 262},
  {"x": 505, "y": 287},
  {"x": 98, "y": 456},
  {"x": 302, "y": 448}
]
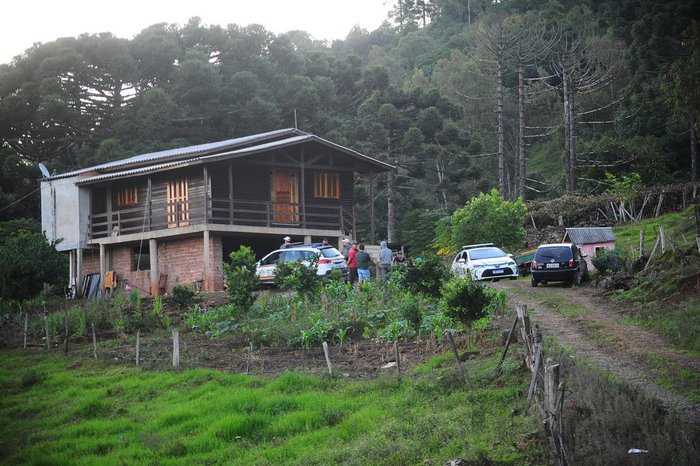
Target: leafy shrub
[
  {"x": 425, "y": 277},
  {"x": 298, "y": 277},
  {"x": 485, "y": 218},
  {"x": 181, "y": 297},
  {"x": 436, "y": 324},
  {"x": 395, "y": 330},
  {"x": 27, "y": 261},
  {"x": 241, "y": 279},
  {"x": 607, "y": 262},
  {"x": 464, "y": 299},
  {"x": 317, "y": 333}
]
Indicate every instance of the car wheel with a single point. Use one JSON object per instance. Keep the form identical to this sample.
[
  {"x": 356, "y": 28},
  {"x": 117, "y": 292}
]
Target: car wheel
[
  {"x": 577, "y": 279},
  {"x": 533, "y": 282}
]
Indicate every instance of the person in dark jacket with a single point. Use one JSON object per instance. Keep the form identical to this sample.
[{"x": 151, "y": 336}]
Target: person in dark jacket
[
  {"x": 385, "y": 258},
  {"x": 364, "y": 261}
]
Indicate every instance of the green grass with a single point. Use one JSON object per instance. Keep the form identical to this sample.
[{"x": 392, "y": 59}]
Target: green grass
[
  {"x": 56, "y": 411},
  {"x": 676, "y": 225}
]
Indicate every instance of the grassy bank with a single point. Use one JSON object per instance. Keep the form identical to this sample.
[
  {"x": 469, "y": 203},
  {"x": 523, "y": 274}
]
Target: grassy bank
[{"x": 58, "y": 411}]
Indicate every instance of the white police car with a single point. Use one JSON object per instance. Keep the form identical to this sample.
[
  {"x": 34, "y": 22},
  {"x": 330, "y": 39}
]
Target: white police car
[
  {"x": 328, "y": 259},
  {"x": 484, "y": 262}
]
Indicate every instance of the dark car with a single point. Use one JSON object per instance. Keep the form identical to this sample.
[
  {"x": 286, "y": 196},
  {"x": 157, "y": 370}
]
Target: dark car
[{"x": 558, "y": 263}]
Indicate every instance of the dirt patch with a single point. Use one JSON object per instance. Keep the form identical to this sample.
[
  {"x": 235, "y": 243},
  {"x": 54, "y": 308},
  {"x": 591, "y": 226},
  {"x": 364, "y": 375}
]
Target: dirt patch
[{"x": 592, "y": 326}]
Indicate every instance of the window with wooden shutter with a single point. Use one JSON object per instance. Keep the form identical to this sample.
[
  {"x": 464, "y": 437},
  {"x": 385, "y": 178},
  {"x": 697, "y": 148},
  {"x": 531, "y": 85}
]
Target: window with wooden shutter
[
  {"x": 127, "y": 197},
  {"x": 178, "y": 205},
  {"x": 326, "y": 185}
]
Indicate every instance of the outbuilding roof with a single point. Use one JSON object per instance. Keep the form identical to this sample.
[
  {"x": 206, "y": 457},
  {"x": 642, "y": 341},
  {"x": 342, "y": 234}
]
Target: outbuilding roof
[{"x": 588, "y": 235}]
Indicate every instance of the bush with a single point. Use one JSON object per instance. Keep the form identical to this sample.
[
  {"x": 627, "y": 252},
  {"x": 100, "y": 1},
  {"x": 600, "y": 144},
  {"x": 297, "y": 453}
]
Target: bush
[
  {"x": 27, "y": 261},
  {"x": 298, "y": 277},
  {"x": 607, "y": 262},
  {"x": 181, "y": 297},
  {"x": 426, "y": 277},
  {"x": 464, "y": 299},
  {"x": 241, "y": 279},
  {"x": 487, "y": 218}
]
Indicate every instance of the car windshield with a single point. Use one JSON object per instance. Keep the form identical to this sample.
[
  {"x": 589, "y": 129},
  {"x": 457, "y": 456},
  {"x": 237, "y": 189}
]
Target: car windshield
[
  {"x": 486, "y": 253},
  {"x": 329, "y": 252},
  {"x": 560, "y": 254}
]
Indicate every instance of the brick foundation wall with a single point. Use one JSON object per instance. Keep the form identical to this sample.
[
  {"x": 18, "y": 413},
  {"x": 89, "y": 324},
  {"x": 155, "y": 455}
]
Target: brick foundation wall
[{"x": 182, "y": 260}]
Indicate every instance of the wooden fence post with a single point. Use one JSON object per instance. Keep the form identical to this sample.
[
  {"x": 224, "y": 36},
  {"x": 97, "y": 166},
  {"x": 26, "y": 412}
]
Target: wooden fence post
[
  {"x": 328, "y": 358},
  {"x": 551, "y": 387},
  {"x": 176, "y": 348},
  {"x": 138, "y": 346}
]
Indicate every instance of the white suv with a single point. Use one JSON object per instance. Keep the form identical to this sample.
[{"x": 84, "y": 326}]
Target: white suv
[
  {"x": 484, "y": 262},
  {"x": 329, "y": 259}
]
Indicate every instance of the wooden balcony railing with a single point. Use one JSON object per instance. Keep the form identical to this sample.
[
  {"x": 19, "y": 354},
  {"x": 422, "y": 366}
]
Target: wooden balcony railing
[{"x": 220, "y": 211}]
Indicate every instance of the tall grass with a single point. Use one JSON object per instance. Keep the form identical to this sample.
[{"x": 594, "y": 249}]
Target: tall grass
[{"x": 90, "y": 413}]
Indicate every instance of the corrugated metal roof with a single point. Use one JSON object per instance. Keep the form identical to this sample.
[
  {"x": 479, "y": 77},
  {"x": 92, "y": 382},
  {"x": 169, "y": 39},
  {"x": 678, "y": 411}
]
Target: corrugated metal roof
[
  {"x": 246, "y": 151},
  {"x": 181, "y": 152},
  {"x": 587, "y": 235}
]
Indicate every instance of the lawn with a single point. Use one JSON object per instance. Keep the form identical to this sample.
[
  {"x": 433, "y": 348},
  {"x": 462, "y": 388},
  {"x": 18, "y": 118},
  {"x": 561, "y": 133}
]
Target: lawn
[{"x": 58, "y": 410}]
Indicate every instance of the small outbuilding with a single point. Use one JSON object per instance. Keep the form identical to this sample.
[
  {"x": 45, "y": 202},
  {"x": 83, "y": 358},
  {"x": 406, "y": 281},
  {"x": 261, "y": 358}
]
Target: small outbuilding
[{"x": 591, "y": 240}]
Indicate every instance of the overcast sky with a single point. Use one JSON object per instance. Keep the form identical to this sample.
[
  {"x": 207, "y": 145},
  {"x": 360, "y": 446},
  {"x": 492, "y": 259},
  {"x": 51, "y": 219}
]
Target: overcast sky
[{"x": 28, "y": 21}]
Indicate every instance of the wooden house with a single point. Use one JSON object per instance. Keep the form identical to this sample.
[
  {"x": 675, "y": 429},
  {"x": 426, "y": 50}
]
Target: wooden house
[
  {"x": 172, "y": 217},
  {"x": 591, "y": 240}
]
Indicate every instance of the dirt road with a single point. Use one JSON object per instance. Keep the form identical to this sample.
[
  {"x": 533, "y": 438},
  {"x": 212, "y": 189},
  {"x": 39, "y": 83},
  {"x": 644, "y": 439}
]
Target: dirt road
[{"x": 594, "y": 327}]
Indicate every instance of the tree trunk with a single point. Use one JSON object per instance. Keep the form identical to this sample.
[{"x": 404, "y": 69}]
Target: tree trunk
[
  {"x": 390, "y": 195},
  {"x": 501, "y": 140},
  {"x": 440, "y": 168},
  {"x": 372, "y": 224},
  {"x": 567, "y": 127},
  {"x": 521, "y": 133},
  {"x": 694, "y": 145},
  {"x": 572, "y": 140}
]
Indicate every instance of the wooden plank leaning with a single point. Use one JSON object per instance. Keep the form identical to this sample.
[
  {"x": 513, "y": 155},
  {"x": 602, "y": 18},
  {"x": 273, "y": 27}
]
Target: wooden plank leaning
[{"x": 536, "y": 369}]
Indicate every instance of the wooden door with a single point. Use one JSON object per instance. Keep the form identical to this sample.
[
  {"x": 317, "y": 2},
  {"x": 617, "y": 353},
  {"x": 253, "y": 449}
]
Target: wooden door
[{"x": 285, "y": 196}]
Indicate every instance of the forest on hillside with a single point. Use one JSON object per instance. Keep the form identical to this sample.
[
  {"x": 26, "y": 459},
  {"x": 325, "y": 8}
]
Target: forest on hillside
[{"x": 536, "y": 98}]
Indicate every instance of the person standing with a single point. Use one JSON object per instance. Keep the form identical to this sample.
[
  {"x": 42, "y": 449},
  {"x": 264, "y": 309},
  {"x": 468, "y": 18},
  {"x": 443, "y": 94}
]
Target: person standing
[
  {"x": 363, "y": 263},
  {"x": 399, "y": 260},
  {"x": 287, "y": 242},
  {"x": 346, "y": 248},
  {"x": 385, "y": 258},
  {"x": 352, "y": 263}
]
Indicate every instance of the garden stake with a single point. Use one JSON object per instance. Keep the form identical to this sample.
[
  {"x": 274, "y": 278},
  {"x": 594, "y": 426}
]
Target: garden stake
[
  {"x": 398, "y": 357},
  {"x": 138, "y": 346},
  {"x": 46, "y": 327},
  {"x": 94, "y": 341},
  {"x": 450, "y": 336},
  {"x": 26, "y": 326},
  {"x": 328, "y": 358},
  {"x": 176, "y": 348}
]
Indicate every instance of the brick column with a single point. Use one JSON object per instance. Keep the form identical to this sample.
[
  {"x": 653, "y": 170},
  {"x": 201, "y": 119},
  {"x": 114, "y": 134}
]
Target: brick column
[{"x": 208, "y": 285}]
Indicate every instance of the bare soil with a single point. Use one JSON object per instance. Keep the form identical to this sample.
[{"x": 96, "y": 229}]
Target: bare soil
[{"x": 592, "y": 326}]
